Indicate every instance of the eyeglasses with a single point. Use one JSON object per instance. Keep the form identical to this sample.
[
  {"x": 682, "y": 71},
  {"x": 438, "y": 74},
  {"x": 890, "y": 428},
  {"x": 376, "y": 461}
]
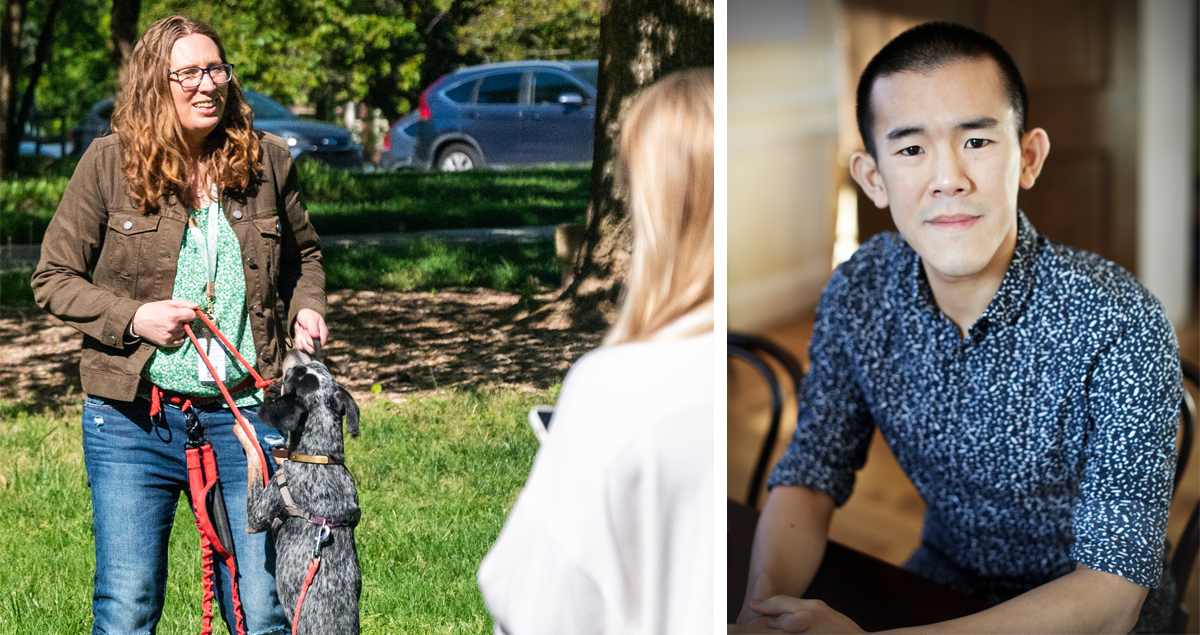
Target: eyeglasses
[{"x": 192, "y": 77}]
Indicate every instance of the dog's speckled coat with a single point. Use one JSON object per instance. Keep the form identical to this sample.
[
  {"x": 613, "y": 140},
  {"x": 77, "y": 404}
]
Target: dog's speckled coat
[{"x": 311, "y": 410}]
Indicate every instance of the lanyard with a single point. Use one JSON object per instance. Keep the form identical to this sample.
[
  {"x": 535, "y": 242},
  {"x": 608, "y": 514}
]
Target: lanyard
[{"x": 208, "y": 250}]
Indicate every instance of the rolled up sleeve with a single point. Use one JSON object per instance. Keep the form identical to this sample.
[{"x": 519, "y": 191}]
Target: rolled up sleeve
[
  {"x": 1134, "y": 394},
  {"x": 833, "y": 429}
]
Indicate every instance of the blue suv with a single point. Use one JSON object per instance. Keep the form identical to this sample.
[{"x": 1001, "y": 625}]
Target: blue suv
[{"x": 511, "y": 113}]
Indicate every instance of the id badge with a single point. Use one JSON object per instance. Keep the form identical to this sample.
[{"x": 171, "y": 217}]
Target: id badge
[{"x": 216, "y": 355}]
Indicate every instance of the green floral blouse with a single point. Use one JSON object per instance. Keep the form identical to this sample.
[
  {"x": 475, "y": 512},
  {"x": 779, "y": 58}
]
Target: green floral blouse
[{"x": 176, "y": 368}]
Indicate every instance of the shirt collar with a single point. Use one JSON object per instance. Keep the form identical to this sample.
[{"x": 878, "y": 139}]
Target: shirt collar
[{"x": 1014, "y": 290}]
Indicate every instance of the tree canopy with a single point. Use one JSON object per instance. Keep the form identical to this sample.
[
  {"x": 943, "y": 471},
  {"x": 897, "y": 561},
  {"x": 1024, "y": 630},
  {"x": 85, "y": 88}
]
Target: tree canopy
[
  {"x": 511, "y": 30},
  {"x": 318, "y": 53}
]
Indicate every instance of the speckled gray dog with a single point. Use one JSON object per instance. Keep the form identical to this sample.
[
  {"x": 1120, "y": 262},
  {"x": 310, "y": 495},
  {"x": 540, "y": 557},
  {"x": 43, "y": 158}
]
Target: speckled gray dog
[{"x": 310, "y": 411}]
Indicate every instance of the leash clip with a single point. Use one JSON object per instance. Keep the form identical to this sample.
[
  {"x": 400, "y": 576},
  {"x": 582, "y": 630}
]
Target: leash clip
[{"x": 321, "y": 536}]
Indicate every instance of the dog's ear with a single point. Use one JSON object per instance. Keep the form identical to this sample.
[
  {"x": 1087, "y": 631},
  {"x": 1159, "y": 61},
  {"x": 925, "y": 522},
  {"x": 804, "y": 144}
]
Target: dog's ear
[
  {"x": 345, "y": 405},
  {"x": 285, "y": 413}
]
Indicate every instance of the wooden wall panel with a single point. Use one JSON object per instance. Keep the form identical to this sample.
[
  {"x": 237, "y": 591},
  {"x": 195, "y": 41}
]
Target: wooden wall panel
[
  {"x": 1075, "y": 210},
  {"x": 1076, "y": 57}
]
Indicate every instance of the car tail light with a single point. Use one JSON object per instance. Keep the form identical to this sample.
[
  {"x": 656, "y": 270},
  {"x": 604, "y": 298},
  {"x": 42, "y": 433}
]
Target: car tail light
[
  {"x": 423, "y": 106},
  {"x": 387, "y": 139},
  {"x": 423, "y": 102}
]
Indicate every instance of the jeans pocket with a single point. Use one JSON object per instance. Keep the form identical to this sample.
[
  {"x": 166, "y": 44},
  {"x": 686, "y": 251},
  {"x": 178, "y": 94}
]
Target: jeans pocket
[{"x": 97, "y": 403}]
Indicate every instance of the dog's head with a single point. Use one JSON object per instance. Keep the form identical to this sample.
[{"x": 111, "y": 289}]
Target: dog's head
[{"x": 312, "y": 406}]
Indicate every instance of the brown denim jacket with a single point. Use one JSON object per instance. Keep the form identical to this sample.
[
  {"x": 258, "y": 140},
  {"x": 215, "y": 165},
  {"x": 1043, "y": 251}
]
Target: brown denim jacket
[{"x": 102, "y": 259}]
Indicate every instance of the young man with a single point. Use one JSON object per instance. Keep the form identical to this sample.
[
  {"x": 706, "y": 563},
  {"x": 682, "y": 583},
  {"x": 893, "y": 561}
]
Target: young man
[{"x": 1029, "y": 390}]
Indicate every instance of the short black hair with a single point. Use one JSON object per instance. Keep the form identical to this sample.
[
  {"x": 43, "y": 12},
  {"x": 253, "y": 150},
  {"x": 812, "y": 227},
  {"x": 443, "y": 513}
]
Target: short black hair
[{"x": 925, "y": 48}]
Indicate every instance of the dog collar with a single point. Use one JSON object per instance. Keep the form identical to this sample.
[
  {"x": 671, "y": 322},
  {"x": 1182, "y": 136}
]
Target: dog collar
[{"x": 281, "y": 453}]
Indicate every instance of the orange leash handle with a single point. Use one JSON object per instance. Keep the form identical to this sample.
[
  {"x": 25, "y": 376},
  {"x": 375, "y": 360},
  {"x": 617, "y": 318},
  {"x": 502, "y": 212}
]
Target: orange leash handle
[
  {"x": 237, "y": 415},
  {"x": 259, "y": 382}
]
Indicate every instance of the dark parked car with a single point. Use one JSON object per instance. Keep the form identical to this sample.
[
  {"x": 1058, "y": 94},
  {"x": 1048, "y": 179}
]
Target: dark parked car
[
  {"x": 511, "y": 113},
  {"x": 95, "y": 124},
  {"x": 399, "y": 143},
  {"x": 328, "y": 143}
]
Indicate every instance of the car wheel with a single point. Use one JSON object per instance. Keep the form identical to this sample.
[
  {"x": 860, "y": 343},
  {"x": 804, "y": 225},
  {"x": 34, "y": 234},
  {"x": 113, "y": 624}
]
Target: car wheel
[{"x": 458, "y": 157}]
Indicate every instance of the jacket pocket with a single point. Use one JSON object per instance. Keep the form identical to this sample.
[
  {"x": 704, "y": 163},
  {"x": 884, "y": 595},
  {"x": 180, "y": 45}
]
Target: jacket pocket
[
  {"x": 124, "y": 242},
  {"x": 270, "y": 231}
]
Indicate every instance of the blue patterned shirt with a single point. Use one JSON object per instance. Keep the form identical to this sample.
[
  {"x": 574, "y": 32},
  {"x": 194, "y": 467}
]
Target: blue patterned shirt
[{"x": 1045, "y": 437}]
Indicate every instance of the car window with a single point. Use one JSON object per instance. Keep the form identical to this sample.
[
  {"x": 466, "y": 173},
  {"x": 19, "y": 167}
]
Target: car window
[
  {"x": 266, "y": 108},
  {"x": 410, "y": 129},
  {"x": 461, "y": 94},
  {"x": 589, "y": 74},
  {"x": 548, "y": 86},
  {"x": 504, "y": 88},
  {"x": 105, "y": 111}
]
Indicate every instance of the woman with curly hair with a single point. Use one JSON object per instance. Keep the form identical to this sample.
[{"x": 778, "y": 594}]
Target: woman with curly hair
[{"x": 185, "y": 208}]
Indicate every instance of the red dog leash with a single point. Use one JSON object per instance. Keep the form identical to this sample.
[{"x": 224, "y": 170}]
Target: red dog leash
[
  {"x": 259, "y": 382},
  {"x": 204, "y": 483},
  {"x": 312, "y": 573},
  {"x": 212, "y": 519}
]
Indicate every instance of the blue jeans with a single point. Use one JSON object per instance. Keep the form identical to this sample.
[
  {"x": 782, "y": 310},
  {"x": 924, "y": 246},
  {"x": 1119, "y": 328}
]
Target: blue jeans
[{"x": 136, "y": 472}]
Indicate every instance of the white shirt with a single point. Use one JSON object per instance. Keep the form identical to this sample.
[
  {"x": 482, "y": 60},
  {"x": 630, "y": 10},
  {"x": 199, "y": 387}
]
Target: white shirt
[{"x": 613, "y": 531}]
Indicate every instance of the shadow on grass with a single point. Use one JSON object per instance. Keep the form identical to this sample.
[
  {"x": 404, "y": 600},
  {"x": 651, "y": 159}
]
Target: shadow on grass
[
  {"x": 402, "y": 341},
  {"x": 406, "y": 342}
]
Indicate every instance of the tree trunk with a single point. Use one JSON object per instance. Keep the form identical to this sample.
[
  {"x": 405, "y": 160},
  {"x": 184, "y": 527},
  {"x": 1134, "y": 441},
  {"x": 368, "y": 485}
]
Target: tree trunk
[
  {"x": 39, "y": 61},
  {"x": 124, "y": 27},
  {"x": 10, "y": 69},
  {"x": 640, "y": 41}
]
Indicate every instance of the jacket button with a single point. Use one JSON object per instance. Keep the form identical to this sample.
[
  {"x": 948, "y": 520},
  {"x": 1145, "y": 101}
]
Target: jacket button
[
  {"x": 237, "y": 213},
  {"x": 128, "y": 224},
  {"x": 250, "y": 261}
]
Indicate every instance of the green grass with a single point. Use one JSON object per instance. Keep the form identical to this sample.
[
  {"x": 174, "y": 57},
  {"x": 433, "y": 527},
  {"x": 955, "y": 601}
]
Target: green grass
[
  {"x": 349, "y": 203},
  {"x": 15, "y": 289},
  {"x": 436, "y": 478},
  {"x": 342, "y": 202},
  {"x": 26, "y": 206},
  {"x": 424, "y": 265},
  {"x": 431, "y": 266}
]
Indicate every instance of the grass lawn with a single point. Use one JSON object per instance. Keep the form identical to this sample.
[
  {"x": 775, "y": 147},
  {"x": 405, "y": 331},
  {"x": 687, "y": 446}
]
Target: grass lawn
[
  {"x": 425, "y": 265},
  {"x": 432, "y": 266},
  {"x": 341, "y": 202},
  {"x": 436, "y": 475}
]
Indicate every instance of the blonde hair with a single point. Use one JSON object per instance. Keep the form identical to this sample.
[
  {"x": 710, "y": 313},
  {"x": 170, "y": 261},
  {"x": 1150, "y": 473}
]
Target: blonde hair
[
  {"x": 155, "y": 161},
  {"x": 667, "y": 164}
]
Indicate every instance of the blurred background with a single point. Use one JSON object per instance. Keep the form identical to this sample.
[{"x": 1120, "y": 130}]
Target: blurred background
[
  {"x": 1113, "y": 82},
  {"x": 359, "y": 65}
]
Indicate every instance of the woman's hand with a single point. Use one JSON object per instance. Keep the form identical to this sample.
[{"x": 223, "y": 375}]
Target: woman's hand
[
  {"x": 309, "y": 326},
  {"x": 161, "y": 323},
  {"x": 794, "y": 615}
]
